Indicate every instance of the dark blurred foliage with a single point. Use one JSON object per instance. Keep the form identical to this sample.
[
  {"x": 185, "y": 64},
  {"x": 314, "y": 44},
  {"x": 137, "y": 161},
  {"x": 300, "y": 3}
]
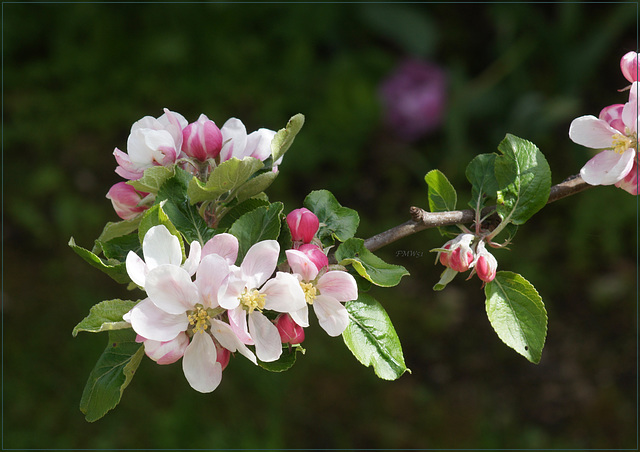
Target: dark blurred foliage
[{"x": 76, "y": 76}]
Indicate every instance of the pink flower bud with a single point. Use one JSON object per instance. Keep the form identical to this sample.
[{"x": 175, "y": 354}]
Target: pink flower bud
[
  {"x": 202, "y": 139},
  {"x": 485, "y": 264},
  {"x": 629, "y": 66},
  {"x": 460, "y": 257},
  {"x": 126, "y": 200},
  {"x": 165, "y": 352},
  {"x": 315, "y": 253},
  {"x": 222, "y": 355},
  {"x": 290, "y": 331},
  {"x": 613, "y": 116},
  {"x": 303, "y": 225}
]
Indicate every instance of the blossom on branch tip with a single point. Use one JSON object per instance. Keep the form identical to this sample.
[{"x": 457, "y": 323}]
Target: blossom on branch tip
[
  {"x": 127, "y": 201},
  {"x": 485, "y": 264},
  {"x": 202, "y": 139},
  {"x": 303, "y": 225}
]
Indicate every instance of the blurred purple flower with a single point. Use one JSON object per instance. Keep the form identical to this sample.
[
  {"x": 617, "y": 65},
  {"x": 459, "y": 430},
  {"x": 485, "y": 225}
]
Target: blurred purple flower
[{"x": 413, "y": 98}]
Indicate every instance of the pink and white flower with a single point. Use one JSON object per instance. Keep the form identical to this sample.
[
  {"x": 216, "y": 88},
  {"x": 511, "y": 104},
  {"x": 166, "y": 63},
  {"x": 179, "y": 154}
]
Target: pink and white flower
[
  {"x": 290, "y": 331},
  {"x": 325, "y": 293},
  {"x": 315, "y": 253},
  {"x": 152, "y": 142},
  {"x": 629, "y": 66},
  {"x": 127, "y": 201},
  {"x": 202, "y": 139},
  {"x": 458, "y": 254},
  {"x": 303, "y": 225},
  {"x": 485, "y": 264},
  {"x": 616, "y": 160},
  {"x": 237, "y": 143}
]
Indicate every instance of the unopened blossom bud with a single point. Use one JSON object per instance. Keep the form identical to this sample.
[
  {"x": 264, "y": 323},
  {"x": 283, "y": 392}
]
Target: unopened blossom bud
[
  {"x": 613, "y": 116},
  {"x": 485, "y": 264},
  {"x": 290, "y": 331},
  {"x": 303, "y": 225},
  {"x": 629, "y": 66},
  {"x": 126, "y": 200},
  {"x": 315, "y": 254},
  {"x": 222, "y": 355},
  {"x": 202, "y": 139},
  {"x": 165, "y": 352},
  {"x": 460, "y": 257}
]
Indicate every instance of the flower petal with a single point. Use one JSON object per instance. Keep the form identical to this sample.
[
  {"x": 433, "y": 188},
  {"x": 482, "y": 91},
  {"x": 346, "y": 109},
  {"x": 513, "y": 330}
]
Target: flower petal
[
  {"x": 225, "y": 245},
  {"x": 155, "y": 324},
  {"x": 212, "y": 279},
  {"x": 592, "y": 132},
  {"x": 199, "y": 364},
  {"x": 301, "y": 316},
  {"x": 266, "y": 337},
  {"x": 283, "y": 293},
  {"x": 302, "y": 265},
  {"x": 234, "y": 139},
  {"x": 159, "y": 247},
  {"x": 192, "y": 262},
  {"x": 338, "y": 284},
  {"x": 630, "y": 112},
  {"x": 167, "y": 352},
  {"x": 227, "y": 338},
  {"x": 332, "y": 315},
  {"x": 608, "y": 167},
  {"x": 171, "y": 289},
  {"x": 238, "y": 323},
  {"x": 136, "y": 269},
  {"x": 260, "y": 262}
]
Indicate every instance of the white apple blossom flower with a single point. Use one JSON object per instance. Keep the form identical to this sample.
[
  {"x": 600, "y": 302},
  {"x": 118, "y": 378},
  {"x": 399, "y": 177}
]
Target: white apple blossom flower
[{"x": 236, "y": 142}]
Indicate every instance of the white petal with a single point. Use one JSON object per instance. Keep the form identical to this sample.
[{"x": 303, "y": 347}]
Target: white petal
[
  {"x": 608, "y": 167},
  {"x": 338, "y": 284},
  {"x": 266, "y": 336},
  {"x": 171, "y": 289},
  {"x": 212, "y": 279},
  {"x": 238, "y": 323},
  {"x": 259, "y": 144},
  {"x": 136, "y": 269},
  {"x": 155, "y": 324},
  {"x": 283, "y": 293},
  {"x": 228, "y": 339},
  {"x": 630, "y": 114},
  {"x": 159, "y": 247},
  {"x": 301, "y": 316},
  {"x": 234, "y": 137},
  {"x": 302, "y": 265},
  {"x": 225, "y": 245},
  {"x": 260, "y": 262},
  {"x": 199, "y": 364},
  {"x": 332, "y": 315},
  {"x": 191, "y": 263},
  {"x": 592, "y": 132}
]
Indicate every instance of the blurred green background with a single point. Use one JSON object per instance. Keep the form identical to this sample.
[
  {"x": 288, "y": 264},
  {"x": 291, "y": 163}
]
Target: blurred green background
[{"x": 76, "y": 76}]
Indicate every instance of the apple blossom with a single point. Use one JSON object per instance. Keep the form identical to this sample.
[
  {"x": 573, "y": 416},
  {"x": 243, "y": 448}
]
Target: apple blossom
[
  {"x": 167, "y": 352},
  {"x": 629, "y": 66},
  {"x": 458, "y": 255},
  {"x": 485, "y": 264},
  {"x": 315, "y": 254},
  {"x": 202, "y": 139},
  {"x": 236, "y": 142},
  {"x": 303, "y": 225},
  {"x": 324, "y": 292},
  {"x": 290, "y": 331},
  {"x": 127, "y": 201}
]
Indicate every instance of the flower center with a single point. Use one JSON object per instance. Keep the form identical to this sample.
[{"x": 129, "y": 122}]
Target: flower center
[
  {"x": 310, "y": 292},
  {"x": 621, "y": 143},
  {"x": 252, "y": 299},
  {"x": 199, "y": 319}
]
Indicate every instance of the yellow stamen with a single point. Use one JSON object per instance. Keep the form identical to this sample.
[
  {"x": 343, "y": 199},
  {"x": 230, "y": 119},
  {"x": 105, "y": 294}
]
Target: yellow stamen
[
  {"x": 199, "y": 319},
  {"x": 310, "y": 292},
  {"x": 621, "y": 143},
  {"x": 252, "y": 299}
]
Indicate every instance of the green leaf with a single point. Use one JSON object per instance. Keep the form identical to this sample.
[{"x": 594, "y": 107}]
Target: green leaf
[
  {"x": 152, "y": 179},
  {"x": 480, "y": 172},
  {"x": 284, "y": 137},
  {"x": 286, "y": 360},
  {"x": 371, "y": 338},
  {"x": 226, "y": 177},
  {"x": 238, "y": 210},
  {"x": 256, "y": 185},
  {"x": 517, "y": 314},
  {"x": 368, "y": 265},
  {"x": 155, "y": 216},
  {"x": 115, "y": 269},
  {"x": 104, "y": 316},
  {"x": 111, "y": 375},
  {"x": 524, "y": 179},
  {"x": 118, "y": 229},
  {"x": 182, "y": 214},
  {"x": 445, "y": 278},
  {"x": 336, "y": 222},
  {"x": 262, "y": 223},
  {"x": 442, "y": 195},
  {"x": 118, "y": 248}
]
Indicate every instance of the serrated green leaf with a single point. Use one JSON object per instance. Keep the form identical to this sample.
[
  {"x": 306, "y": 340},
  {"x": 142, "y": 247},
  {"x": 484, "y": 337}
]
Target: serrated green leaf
[
  {"x": 368, "y": 265},
  {"x": 480, "y": 172},
  {"x": 524, "y": 178},
  {"x": 284, "y": 137},
  {"x": 152, "y": 179},
  {"x": 262, "y": 223},
  {"x": 116, "y": 229},
  {"x": 114, "y": 269},
  {"x": 226, "y": 177},
  {"x": 517, "y": 314},
  {"x": 285, "y": 362},
  {"x": 442, "y": 198},
  {"x": 105, "y": 316},
  {"x": 118, "y": 247},
  {"x": 372, "y": 339},
  {"x": 238, "y": 210},
  {"x": 336, "y": 221},
  {"x": 255, "y": 185},
  {"x": 111, "y": 375}
]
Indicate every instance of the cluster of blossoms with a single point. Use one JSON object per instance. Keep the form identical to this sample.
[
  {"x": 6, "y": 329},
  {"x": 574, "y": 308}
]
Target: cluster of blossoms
[
  {"x": 196, "y": 147},
  {"x": 465, "y": 252},
  {"x": 229, "y": 308},
  {"x": 615, "y": 131}
]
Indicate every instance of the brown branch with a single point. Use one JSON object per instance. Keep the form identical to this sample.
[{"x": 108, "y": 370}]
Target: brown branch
[{"x": 422, "y": 219}]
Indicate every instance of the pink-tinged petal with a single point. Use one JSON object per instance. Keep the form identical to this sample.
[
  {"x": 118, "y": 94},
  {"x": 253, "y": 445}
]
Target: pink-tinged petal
[
  {"x": 630, "y": 182},
  {"x": 225, "y": 245},
  {"x": 199, "y": 364},
  {"x": 613, "y": 116},
  {"x": 629, "y": 66},
  {"x": 173, "y": 123},
  {"x": 212, "y": 279},
  {"x": 260, "y": 262},
  {"x": 136, "y": 269},
  {"x": 234, "y": 139},
  {"x": 161, "y": 247},
  {"x": 154, "y": 324},
  {"x": 238, "y": 323},
  {"x": 259, "y": 144},
  {"x": 315, "y": 253},
  {"x": 608, "y": 167},
  {"x": 283, "y": 293},
  {"x": 338, "y": 284},
  {"x": 302, "y": 265},
  {"x": 167, "y": 352},
  {"x": 191, "y": 263},
  {"x": 230, "y": 298},
  {"x": 301, "y": 316},
  {"x": 224, "y": 334},
  {"x": 126, "y": 168},
  {"x": 266, "y": 337},
  {"x": 171, "y": 289},
  {"x": 592, "y": 132},
  {"x": 630, "y": 114},
  {"x": 332, "y": 315}
]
